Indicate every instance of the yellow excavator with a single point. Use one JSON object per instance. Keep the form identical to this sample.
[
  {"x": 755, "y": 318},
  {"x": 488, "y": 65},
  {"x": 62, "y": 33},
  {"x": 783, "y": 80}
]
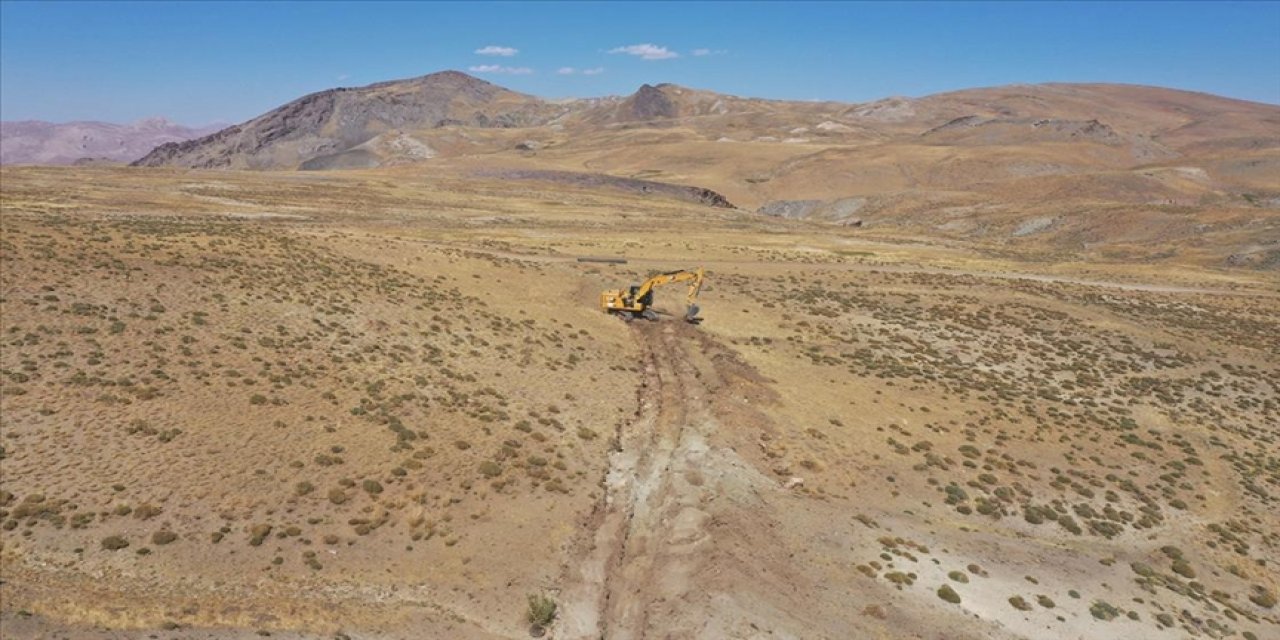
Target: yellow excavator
[{"x": 637, "y": 300}]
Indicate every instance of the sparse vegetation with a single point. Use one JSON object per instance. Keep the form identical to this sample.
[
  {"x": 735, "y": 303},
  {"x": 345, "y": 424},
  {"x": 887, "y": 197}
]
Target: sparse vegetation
[{"x": 331, "y": 401}]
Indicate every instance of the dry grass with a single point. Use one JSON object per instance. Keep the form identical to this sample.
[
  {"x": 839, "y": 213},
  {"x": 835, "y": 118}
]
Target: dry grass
[{"x": 409, "y": 384}]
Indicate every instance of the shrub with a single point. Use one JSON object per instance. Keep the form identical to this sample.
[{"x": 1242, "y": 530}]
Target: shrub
[
  {"x": 337, "y": 496},
  {"x": 258, "y": 534},
  {"x": 542, "y": 610},
  {"x": 146, "y": 511},
  {"x": 372, "y": 486},
  {"x": 1020, "y": 603},
  {"x": 1263, "y": 598},
  {"x": 114, "y": 543},
  {"x": 958, "y": 576},
  {"x": 490, "y": 469},
  {"x": 163, "y": 537},
  {"x": 303, "y": 488},
  {"x": 947, "y": 593},
  {"x": 1142, "y": 569},
  {"x": 1183, "y": 568},
  {"x": 1103, "y": 610}
]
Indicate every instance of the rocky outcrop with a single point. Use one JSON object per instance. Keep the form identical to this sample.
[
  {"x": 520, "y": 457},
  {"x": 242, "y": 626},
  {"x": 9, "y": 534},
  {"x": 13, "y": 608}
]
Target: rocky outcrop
[{"x": 649, "y": 103}]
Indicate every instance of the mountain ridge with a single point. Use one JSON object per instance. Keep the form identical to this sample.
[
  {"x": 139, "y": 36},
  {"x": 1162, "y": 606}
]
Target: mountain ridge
[
  {"x": 344, "y": 127},
  {"x": 60, "y": 143}
]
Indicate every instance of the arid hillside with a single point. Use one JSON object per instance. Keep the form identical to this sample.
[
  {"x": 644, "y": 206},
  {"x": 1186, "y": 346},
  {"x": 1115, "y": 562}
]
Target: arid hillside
[
  {"x": 1118, "y": 170},
  {"x": 384, "y": 403}
]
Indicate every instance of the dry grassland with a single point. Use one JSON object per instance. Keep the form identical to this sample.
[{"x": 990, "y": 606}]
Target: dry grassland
[{"x": 384, "y": 404}]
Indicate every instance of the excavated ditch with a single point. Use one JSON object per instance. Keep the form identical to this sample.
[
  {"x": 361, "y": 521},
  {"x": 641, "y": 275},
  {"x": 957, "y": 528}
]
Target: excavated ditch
[{"x": 650, "y": 535}]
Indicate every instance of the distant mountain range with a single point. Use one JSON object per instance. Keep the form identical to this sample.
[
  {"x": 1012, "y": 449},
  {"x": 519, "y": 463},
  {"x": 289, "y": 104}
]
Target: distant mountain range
[
  {"x": 454, "y": 114},
  {"x": 39, "y": 142},
  {"x": 1084, "y": 164}
]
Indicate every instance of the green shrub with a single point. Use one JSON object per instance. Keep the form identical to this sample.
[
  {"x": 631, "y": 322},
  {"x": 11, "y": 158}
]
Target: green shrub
[
  {"x": 542, "y": 610},
  {"x": 1020, "y": 603},
  {"x": 1183, "y": 568},
  {"x": 1103, "y": 610},
  {"x": 163, "y": 537},
  {"x": 947, "y": 593}
]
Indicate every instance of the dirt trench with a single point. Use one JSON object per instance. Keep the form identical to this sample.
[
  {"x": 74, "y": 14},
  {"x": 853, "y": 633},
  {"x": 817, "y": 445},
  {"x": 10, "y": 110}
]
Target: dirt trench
[
  {"x": 648, "y": 552},
  {"x": 608, "y": 594}
]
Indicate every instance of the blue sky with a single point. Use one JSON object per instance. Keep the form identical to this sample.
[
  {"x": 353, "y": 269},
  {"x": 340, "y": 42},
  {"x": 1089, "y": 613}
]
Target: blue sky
[{"x": 229, "y": 61}]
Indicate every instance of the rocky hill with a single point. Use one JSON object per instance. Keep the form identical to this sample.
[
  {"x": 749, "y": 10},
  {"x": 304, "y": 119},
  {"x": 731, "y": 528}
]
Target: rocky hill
[
  {"x": 39, "y": 142},
  {"x": 326, "y": 129}
]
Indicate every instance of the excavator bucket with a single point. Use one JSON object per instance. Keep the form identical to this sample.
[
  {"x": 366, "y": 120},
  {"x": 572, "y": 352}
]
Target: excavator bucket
[{"x": 691, "y": 315}]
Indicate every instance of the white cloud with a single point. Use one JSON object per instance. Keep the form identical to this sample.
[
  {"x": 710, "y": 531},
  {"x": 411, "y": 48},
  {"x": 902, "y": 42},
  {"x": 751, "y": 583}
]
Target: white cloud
[
  {"x": 569, "y": 71},
  {"x": 494, "y": 68},
  {"x": 709, "y": 52},
  {"x": 343, "y": 76},
  {"x": 495, "y": 50},
  {"x": 646, "y": 51}
]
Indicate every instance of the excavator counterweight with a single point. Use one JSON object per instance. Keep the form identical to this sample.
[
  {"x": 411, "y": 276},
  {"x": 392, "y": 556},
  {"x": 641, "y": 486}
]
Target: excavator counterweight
[{"x": 637, "y": 300}]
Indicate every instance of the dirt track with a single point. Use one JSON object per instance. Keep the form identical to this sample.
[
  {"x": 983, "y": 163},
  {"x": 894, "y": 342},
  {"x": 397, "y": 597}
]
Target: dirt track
[
  {"x": 650, "y": 533},
  {"x": 686, "y": 542}
]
